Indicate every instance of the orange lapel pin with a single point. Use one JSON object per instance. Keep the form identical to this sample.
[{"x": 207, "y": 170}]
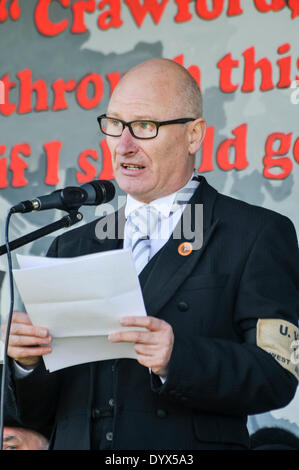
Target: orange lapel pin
[{"x": 185, "y": 248}]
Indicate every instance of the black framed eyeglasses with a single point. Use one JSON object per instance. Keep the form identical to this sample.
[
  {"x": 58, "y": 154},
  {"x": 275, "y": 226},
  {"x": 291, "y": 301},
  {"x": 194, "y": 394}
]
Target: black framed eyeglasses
[{"x": 140, "y": 129}]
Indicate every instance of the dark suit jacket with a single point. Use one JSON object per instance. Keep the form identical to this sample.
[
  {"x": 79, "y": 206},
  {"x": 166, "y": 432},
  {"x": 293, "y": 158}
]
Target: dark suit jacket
[{"x": 246, "y": 269}]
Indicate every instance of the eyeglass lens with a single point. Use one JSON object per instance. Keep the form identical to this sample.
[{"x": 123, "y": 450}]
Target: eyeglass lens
[{"x": 142, "y": 129}]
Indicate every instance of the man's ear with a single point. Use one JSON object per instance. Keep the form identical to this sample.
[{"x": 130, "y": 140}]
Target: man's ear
[{"x": 197, "y": 131}]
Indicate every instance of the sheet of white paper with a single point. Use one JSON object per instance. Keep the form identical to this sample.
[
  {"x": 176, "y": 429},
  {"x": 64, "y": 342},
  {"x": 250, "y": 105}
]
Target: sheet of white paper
[
  {"x": 81, "y": 300},
  {"x": 74, "y": 351}
]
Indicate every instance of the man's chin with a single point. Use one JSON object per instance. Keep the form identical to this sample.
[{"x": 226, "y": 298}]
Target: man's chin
[{"x": 133, "y": 186}]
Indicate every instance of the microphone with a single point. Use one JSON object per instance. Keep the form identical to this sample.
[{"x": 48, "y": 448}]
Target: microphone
[{"x": 70, "y": 198}]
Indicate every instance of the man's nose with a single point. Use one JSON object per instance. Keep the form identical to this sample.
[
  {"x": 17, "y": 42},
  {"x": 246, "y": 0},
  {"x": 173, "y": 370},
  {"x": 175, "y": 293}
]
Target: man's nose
[{"x": 127, "y": 144}]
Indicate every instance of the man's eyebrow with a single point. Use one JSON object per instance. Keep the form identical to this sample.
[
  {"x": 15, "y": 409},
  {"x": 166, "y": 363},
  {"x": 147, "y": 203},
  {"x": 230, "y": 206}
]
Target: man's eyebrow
[
  {"x": 9, "y": 438},
  {"x": 145, "y": 117},
  {"x": 138, "y": 117}
]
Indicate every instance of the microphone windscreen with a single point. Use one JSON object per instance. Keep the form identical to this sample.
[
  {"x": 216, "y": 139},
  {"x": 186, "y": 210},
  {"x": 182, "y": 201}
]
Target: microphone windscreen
[{"x": 105, "y": 190}]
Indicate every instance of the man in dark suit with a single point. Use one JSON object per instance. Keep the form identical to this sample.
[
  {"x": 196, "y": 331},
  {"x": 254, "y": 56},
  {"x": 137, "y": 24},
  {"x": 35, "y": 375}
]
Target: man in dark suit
[{"x": 221, "y": 314}]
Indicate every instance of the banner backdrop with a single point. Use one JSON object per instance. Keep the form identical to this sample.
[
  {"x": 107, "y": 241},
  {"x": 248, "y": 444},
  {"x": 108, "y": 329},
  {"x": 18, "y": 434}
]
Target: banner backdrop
[{"x": 60, "y": 61}]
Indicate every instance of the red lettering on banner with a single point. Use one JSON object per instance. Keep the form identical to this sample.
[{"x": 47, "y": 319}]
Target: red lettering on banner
[
  {"x": 203, "y": 11},
  {"x": 7, "y": 108},
  {"x": 113, "y": 80},
  {"x": 107, "y": 170},
  {"x": 250, "y": 67},
  {"x": 79, "y": 8},
  {"x": 26, "y": 90},
  {"x": 153, "y": 7},
  {"x": 226, "y": 65},
  {"x": 2, "y": 93},
  {"x": 59, "y": 88},
  {"x": 90, "y": 171},
  {"x": 3, "y": 168},
  {"x": 3, "y": 11},
  {"x": 110, "y": 18},
  {"x": 285, "y": 65},
  {"x": 89, "y": 168},
  {"x": 284, "y": 163},
  {"x": 183, "y": 13},
  {"x": 296, "y": 150},
  {"x": 90, "y": 90},
  {"x": 264, "y": 6},
  {"x": 294, "y": 6},
  {"x": 96, "y": 81},
  {"x": 207, "y": 151},
  {"x": 14, "y": 10},
  {"x": 42, "y": 21},
  {"x": 193, "y": 69},
  {"x": 234, "y": 8},
  {"x": 239, "y": 144},
  {"x": 17, "y": 165},
  {"x": 52, "y": 150}
]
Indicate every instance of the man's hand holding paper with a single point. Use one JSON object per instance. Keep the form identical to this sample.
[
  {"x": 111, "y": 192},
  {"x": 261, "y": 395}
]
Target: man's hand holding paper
[
  {"x": 27, "y": 343},
  {"x": 153, "y": 346},
  {"x": 78, "y": 302}
]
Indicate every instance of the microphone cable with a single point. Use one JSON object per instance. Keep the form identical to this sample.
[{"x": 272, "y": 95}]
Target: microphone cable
[{"x": 9, "y": 319}]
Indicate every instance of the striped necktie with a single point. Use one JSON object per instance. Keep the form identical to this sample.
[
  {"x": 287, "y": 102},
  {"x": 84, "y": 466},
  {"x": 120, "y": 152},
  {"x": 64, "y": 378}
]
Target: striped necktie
[
  {"x": 184, "y": 194},
  {"x": 144, "y": 221}
]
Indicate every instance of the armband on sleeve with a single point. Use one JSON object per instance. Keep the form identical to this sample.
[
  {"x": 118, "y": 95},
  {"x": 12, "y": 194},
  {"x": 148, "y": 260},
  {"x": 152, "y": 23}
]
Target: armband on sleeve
[{"x": 280, "y": 338}]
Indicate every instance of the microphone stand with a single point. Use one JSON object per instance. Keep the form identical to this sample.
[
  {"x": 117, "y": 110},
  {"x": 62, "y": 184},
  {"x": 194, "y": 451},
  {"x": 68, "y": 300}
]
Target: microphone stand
[{"x": 67, "y": 221}]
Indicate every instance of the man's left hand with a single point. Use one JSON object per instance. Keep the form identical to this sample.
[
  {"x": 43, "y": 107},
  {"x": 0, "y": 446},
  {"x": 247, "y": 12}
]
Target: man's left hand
[{"x": 153, "y": 347}]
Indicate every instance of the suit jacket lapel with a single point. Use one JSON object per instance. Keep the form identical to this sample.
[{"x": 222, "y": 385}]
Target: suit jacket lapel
[
  {"x": 105, "y": 234},
  {"x": 170, "y": 268}
]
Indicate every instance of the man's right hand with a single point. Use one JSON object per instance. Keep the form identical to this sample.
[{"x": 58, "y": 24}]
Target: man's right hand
[{"x": 27, "y": 343}]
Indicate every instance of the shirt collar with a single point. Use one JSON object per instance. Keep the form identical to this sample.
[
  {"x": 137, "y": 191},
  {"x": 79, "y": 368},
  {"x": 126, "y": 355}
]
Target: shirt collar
[{"x": 163, "y": 204}]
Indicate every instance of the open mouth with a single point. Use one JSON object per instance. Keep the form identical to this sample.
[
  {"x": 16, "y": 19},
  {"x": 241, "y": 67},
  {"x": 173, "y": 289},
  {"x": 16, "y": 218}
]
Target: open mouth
[{"x": 131, "y": 166}]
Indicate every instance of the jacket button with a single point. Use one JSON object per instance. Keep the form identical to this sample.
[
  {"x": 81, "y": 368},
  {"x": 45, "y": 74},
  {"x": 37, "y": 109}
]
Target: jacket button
[
  {"x": 95, "y": 413},
  {"x": 111, "y": 402},
  {"x": 161, "y": 413},
  {"x": 183, "y": 306},
  {"x": 109, "y": 436}
]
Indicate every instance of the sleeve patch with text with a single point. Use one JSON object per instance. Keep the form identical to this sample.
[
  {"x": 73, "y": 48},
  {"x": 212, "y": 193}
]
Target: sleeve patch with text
[{"x": 280, "y": 338}]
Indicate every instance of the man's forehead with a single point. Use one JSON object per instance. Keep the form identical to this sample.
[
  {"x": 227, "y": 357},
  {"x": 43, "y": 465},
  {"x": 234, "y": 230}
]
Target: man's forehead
[
  {"x": 144, "y": 96},
  {"x": 142, "y": 105},
  {"x": 153, "y": 73},
  {"x": 142, "y": 89}
]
